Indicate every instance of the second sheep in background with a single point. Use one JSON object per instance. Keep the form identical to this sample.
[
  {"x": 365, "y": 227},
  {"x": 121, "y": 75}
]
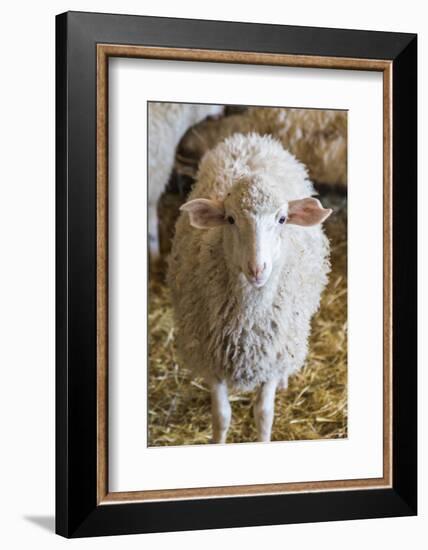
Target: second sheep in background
[{"x": 167, "y": 124}]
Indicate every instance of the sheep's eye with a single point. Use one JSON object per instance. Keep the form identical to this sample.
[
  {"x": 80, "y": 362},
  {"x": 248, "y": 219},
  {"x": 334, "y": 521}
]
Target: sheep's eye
[
  {"x": 230, "y": 220},
  {"x": 281, "y": 219}
]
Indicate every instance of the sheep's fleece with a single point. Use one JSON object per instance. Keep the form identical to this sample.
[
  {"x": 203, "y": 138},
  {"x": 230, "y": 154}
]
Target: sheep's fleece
[
  {"x": 318, "y": 138},
  {"x": 167, "y": 123},
  {"x": 227, "y": 329}
]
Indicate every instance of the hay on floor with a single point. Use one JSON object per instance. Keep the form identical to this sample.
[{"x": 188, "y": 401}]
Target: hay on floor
[{"x": 313, "y": 407}]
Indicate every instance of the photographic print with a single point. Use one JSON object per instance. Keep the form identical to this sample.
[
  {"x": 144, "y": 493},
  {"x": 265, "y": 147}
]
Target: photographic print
[{"x": 247, "y": 248}]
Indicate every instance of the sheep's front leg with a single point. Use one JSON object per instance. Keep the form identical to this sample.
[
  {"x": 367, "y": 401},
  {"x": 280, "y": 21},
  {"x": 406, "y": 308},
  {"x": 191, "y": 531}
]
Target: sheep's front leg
[
  {"x": 264, "y": 409},
  {"x": 221, "y": 411}
]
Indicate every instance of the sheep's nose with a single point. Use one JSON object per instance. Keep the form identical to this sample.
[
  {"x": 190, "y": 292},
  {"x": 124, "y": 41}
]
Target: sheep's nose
[{"x": 255, "y": 270}]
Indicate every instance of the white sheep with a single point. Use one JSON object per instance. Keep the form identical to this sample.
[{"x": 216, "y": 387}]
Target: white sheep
[
  {"x": 167, "y": 124},
  {"x": 248, "y": 264},
  {"x": 316, "y": 137}
]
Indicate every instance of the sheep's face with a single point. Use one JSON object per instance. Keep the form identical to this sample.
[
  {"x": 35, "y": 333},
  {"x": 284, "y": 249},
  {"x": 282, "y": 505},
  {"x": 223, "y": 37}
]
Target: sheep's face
[
  {"x": 254, "y": 237},
  {"x": 253, "y": 242}
]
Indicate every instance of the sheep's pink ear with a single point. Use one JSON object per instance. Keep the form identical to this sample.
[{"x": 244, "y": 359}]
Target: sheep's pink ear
[
  {"x": 204, "y": 213},
  {"x": 307, "y": 212}
]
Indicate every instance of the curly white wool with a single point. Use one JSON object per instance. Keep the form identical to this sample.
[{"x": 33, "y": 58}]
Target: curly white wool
[
  {"x": 317, "y": 138},
  {"x": 225, "y": 328}
]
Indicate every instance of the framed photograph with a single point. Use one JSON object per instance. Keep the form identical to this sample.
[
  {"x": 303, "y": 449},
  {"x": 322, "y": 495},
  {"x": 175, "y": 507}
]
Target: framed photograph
[{"x": 236, "y": 274}]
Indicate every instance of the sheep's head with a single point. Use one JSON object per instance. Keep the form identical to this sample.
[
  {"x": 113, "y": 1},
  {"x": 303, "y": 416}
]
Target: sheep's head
[{"x": 254, "y": 218}]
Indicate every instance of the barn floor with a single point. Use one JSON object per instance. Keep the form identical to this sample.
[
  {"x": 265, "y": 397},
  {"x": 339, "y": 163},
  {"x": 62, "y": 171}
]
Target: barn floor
[{"x": 313, "y": 407}]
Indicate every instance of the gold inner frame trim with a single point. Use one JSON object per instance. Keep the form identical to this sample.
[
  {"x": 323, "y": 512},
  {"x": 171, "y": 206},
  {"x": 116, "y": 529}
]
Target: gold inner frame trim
[{"x": 104, "y": 51}]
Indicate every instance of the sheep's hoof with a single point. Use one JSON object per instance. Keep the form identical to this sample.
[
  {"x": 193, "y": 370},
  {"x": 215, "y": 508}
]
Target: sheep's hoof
[{"x": 218, "y": 440}]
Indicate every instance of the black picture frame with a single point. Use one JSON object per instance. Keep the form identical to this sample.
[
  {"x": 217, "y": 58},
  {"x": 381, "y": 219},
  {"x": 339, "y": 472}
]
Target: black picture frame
[{"x": 77, "y": 511}]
